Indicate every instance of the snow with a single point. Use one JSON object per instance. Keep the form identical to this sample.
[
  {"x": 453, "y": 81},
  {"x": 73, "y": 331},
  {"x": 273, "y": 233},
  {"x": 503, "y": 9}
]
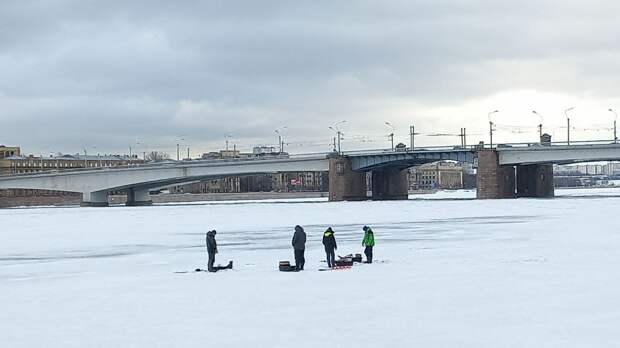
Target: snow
[{"x": 454, "y": 273}]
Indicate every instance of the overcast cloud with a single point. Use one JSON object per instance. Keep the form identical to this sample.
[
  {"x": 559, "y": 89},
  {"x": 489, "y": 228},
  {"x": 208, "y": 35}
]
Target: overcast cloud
[{"x": 106, "y": 75}]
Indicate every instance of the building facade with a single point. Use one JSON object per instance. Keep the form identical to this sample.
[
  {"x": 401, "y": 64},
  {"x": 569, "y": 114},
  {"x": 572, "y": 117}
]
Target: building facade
[
  {"x": 8, "y": 151},
  {"x": 17, "y": 164},
  {"x": 438, "y": 175}
]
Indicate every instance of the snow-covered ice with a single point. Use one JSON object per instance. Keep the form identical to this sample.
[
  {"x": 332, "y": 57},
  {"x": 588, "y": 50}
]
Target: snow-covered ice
[{"x": 455, "y": 273}]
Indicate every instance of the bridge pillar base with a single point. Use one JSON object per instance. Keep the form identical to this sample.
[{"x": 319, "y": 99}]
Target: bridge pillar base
[
  {"x": 535, "y": 180},
  {"x": 95, "y": 199},
  {"x": 345, "y": 184},
  {"x": 494, "y": 181},
  {"x": 390, "y": 184},
  {"x": 138, "y": 198}
]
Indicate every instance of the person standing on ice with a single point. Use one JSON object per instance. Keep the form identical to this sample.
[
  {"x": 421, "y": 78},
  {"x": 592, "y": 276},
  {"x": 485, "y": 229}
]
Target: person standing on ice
[
  {"x": 299, "y": 246},
  {"x": 211, "y": 250},
  {"x": 329, "y": 241},
  {"x": 368, "y": 242}
]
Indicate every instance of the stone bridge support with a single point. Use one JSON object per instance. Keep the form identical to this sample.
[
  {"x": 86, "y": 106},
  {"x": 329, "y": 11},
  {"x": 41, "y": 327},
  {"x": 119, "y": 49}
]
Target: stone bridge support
[
  {"x": 390, "y": 184},
  {"x": 345, "y": 184},
  {"x": 138, "y": 197},
  {"x": 494, "y": 181},
  {"x": 95, "y": 199},
  {"x": 535, "y": 180}
]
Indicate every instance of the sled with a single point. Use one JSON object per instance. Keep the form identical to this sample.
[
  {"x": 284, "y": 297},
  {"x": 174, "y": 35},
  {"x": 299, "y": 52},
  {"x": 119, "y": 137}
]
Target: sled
[{"x": 285, "y": 266}]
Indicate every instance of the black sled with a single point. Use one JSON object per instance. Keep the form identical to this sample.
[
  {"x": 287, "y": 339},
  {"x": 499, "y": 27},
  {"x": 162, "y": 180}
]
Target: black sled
[{"x": 285, "y": 266}]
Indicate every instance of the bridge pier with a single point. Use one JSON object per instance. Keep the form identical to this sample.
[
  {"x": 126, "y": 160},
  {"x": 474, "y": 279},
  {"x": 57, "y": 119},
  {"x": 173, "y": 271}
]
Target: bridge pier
[
  {"x": 494, "y": 181},
  {"x": 535, "y": 180},
  {"x": 345, "y": 184},
  {"x": 95, "y": 199},
  {"x": 390, "y": 184},
  {"x": 138, "y": 198}
]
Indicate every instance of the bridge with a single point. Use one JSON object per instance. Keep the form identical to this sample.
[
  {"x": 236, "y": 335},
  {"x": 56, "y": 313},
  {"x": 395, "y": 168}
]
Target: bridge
[{"x": 506, "y": 171}]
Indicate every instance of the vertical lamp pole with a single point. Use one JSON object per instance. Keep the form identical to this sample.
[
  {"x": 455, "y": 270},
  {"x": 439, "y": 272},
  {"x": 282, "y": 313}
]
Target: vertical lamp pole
[
  {"x": 491, "y": 127},
  {"x": 391, "y": 135},
  {"x": 568, "y": 124},
  {"x": 540, "y": 125},
  {"x": 335, "y": 128},
  {"x": 280, "y": 140},
  {"x": 464, "y": 137},
  {"x": 615, "y": 122},
  {"x": 412, "y": 135}
]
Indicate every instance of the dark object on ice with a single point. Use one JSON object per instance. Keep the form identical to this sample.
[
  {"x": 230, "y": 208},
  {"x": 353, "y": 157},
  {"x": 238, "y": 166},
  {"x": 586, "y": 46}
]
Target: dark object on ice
[
  {"x": 329, "y": 241},
  {"x": 285, "y": 266},
  {"x": 357, "y": 258},
  {"x": 344, "y": 262},
  {"x": 211, "y": 249},
  {"x": 299, "y": 247}
]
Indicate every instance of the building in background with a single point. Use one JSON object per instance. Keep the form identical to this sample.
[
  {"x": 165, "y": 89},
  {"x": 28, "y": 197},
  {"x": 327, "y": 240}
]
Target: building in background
[
  {"x": 279, "y": 182},
  {"x": 9, "y": 151},
  {"x": 587, "y": 174},
  {"x": 18, "y": 164},
  {"x": 437, "y": 175}
]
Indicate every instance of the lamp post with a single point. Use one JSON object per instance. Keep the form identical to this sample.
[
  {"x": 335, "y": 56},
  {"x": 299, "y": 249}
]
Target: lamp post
[
  {"x": 491, "y": 127},
  {"x": 391, "y": 135},
  {"x": 228, "y": 136},
  {"x": 335, "y": 128},
  {"x": 280, "y": 141},
  {"x": 568, "y": 124},
  {"x": 615, "y": 122},
  {"x": 540, "y": 125}
]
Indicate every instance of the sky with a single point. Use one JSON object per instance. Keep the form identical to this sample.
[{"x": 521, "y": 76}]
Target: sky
[{"x": 79, "y": 75}]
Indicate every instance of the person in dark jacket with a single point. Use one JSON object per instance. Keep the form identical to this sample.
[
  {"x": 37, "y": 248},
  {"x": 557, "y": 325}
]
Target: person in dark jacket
[
  {"x": 329, "y": 241},
  {"x": 368, "y": 242},
  {"x": 299, "y": 246},
  {"x": 211, "y": 250}
]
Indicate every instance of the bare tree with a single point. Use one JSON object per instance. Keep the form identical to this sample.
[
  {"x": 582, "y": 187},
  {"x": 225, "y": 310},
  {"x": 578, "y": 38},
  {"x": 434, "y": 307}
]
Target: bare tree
[{"x": 156, "y": 156}]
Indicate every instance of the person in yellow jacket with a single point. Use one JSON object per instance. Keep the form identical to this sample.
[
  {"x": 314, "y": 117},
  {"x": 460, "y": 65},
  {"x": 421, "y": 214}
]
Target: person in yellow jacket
[
  {"x": 368, "y": 242},
  {"x": 329, "y": 241}
]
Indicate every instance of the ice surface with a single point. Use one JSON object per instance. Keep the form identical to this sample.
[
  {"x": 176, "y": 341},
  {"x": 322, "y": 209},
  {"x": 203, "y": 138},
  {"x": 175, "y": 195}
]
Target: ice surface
[{"x": 455, "y": 273}]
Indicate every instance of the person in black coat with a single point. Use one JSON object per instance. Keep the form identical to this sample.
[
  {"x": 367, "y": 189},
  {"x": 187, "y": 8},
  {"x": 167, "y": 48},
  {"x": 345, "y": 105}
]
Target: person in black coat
[
  {"x": 211, "y": 250},
  {"x": 329, "y": 241},
  {"x": 299, "y": 246}
]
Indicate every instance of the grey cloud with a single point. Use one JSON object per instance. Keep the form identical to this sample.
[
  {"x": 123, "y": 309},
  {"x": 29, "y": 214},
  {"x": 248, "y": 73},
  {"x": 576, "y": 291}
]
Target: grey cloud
[{"x": 117, "y": 71}]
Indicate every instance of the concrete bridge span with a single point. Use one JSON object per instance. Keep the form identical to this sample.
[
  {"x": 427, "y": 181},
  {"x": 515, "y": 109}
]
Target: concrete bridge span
[{"x": 95, "y": 184}]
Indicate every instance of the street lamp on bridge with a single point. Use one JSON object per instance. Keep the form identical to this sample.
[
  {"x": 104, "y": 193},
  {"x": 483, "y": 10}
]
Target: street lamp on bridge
[
  {"x": 568, "y": 124},
  {"x": 280, "y": 140},
  {"x": 540, "y": 125},
  {"x": 491, "y": 127},
  {"x": 335, "y": 128},
  {"x": 391, "y": 135},
  {"x": 615, "y": 122}
]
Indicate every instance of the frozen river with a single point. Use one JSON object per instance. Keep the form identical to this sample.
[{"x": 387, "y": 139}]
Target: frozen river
[{"x": 453, "y": 272}]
